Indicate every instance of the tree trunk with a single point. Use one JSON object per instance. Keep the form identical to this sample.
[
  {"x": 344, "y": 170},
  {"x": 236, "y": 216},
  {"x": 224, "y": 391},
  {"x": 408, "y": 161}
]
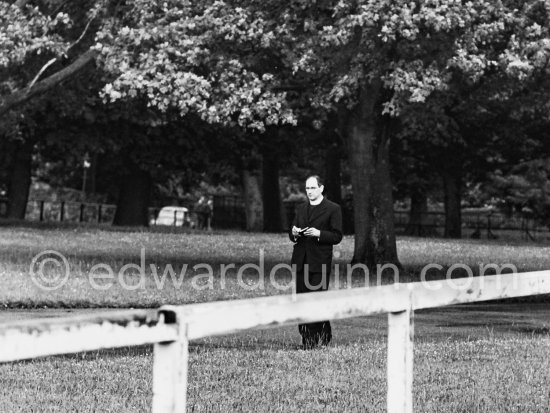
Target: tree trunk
[
  {"x": 285, "y": 224},
  {"x": 20, "y": 180},
  {"x": 371, "y": 181},
  {"x": 452, "y": 187},
  {"x": 271, "y": 193},
  {"x": 360, "y": 156},
  {"x": 384, "y": 238},
  {"x": 418, "y": 215},
  {"x": 253, "y": 200},
  {"x": 333, "y": 181},
  {"x": 134, "y": 196}
]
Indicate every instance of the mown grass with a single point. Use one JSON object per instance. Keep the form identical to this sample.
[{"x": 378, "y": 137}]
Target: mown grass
[
  {"x": 484, "y": 358},
  {"x": 87, "y": 247},
  {"x": 477, "y": 370}
]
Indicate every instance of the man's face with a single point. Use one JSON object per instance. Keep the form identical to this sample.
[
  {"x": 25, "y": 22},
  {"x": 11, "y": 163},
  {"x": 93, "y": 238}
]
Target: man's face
[{"x": 313, "y": 190}]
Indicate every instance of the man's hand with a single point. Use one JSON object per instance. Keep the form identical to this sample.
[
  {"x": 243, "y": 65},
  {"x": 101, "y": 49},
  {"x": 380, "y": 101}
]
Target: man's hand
[
  {"x": 312, "y": 232},
  {"x": 295, "y": 232}
]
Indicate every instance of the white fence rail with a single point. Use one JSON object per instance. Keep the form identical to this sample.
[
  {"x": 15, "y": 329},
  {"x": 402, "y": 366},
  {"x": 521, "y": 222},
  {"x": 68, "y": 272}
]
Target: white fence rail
[{"x": 171, "y": 327}]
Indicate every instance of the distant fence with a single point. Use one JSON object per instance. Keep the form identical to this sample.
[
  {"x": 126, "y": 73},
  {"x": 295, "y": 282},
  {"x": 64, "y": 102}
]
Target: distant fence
[
  {"x": 172, "y": 327},
  {"x": 479, "y": 224},
  {"x": 229, "y": 213},
  {"x": 475, "y": 224},
  {"x": 70, "y": 211}
]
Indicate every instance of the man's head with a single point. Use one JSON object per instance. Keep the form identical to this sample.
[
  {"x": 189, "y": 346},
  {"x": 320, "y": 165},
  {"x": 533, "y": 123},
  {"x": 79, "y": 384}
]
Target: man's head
[{"x": 314, "y": 188}]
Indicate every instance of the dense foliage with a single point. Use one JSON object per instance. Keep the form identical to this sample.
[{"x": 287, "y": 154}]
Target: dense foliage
[{"x": 442, "y": 88}]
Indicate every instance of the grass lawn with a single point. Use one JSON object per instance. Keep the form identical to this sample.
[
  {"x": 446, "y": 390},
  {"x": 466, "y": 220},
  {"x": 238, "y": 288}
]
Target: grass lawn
[
  {"x": 477, "y": 358},
  {"x": 472, "y": 359},
  {"x": 86, "y": 248}
]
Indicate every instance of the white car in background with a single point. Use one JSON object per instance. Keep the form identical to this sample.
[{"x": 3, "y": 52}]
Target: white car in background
[{"x": 175, "y": 216}]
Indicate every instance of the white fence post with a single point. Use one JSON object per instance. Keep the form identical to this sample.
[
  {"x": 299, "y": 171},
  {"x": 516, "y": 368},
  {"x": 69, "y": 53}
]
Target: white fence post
[
  {"x": 170, "y": 364},
  {"x": 400, "y": 361}
]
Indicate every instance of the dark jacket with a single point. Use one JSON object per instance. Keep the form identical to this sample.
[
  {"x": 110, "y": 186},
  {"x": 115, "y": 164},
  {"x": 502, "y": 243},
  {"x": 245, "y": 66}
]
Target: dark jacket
[{"x": 326, "y": 217}]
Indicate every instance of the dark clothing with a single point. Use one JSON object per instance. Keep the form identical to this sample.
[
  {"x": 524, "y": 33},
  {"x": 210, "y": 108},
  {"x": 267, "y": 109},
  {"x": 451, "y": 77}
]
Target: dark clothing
[
  {"x": 321, "y": 331},
  {"x": 313, "y": 259},
  {"x": 327, "y": 218},
  {"x": 310, "y": 209}
]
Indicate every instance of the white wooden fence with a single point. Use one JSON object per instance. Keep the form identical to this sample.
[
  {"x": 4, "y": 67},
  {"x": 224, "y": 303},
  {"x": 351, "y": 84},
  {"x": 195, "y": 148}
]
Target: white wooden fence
[{"x": 171, "y": 327}]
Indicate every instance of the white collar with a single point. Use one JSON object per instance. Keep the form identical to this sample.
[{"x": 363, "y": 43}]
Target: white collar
[{"x": 315, "y": 203}]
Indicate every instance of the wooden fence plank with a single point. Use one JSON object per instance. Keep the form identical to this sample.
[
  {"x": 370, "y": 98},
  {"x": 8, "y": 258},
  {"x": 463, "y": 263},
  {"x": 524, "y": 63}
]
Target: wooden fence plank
[
  {"x": 474, "y": 289},
  {"x": 240, "y": 315},
  {"x": 50, "y": 336},
  {"x": 226, "y": 317}
]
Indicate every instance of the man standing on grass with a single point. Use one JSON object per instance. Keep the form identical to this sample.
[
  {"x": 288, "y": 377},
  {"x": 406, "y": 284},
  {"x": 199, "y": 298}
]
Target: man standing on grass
[{"x": 317, "y": 226}]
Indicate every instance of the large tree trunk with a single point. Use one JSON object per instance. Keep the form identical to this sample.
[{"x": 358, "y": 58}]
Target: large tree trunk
[
  {"x": 371, "y": 181},
  {"x": 384, "y": 238},
  {"x": 271, "y": 193},
  {"x": 253, "y": 200},
  {"x": 452, "y": 187},
  {"x": 361, "y": 182},
  {"x": 333, "y": 180},
  {"x": 418, "y": 215},
  {"x": 134, "y": 196},
  {"x": 20, "y": 180}
]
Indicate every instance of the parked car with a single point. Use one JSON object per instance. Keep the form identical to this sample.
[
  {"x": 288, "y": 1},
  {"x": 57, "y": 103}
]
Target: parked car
[{"x": 176, "y": 216}]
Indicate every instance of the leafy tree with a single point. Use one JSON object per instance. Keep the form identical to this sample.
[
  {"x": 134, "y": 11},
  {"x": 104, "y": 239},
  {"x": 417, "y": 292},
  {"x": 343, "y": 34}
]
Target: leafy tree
[
  {"x": 246, "y": 64},
  {"x": 524, "y": 189},
  {"x": 482, "y": 112},
  {"x": 44, "y": 43},
  {"x": 189, "y": 57},
  {"x": 207, "y": 60},
  {"x": 372, "y": 59},
  {"x": 38, "y": 38}
]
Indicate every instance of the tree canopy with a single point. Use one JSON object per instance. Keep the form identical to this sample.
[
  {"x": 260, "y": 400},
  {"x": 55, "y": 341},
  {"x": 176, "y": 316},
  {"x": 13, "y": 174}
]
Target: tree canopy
[{"x": 448, "y": 77}]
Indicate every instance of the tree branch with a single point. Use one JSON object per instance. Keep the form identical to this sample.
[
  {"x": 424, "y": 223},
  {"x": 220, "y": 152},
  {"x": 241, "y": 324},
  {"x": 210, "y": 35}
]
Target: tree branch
[
  {"x": 24, "y": 95},
  {"x": 51, "y": 62},
  {"x": 81, "y": 35}
]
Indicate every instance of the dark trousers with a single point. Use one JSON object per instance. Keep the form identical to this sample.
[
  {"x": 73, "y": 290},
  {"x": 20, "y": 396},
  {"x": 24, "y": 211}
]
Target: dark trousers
[{"x": 313, "y": 333}]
